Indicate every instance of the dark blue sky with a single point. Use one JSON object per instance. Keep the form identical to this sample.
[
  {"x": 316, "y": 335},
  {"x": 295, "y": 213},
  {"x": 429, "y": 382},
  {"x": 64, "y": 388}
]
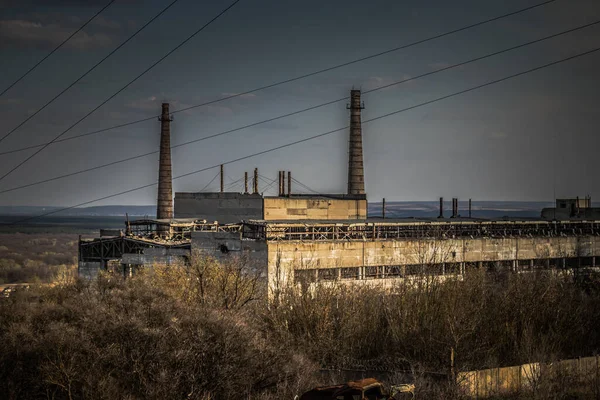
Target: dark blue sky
[{"x": 524, "y": 139}]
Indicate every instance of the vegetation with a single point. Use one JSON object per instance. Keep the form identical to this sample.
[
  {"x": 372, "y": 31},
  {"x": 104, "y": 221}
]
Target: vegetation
[
  {"x": 36, "y": 257},
  {"x": 206, "y": 331}
]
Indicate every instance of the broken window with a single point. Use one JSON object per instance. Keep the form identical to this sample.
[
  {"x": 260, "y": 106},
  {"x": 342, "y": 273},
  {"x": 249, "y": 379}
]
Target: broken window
[
  {"x": 328, "y": 274},
  {"x": 349, "y": 273}
]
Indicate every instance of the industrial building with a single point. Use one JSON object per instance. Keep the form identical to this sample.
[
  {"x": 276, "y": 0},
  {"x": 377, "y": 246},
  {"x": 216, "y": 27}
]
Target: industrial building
[{"x": 329, "y": 237}]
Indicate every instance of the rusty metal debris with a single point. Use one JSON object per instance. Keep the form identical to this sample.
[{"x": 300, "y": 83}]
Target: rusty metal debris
[{"x": 368, "y": 388}]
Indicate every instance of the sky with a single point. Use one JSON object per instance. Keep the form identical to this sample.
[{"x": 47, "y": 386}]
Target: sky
[{"x": 532, "y": 138}]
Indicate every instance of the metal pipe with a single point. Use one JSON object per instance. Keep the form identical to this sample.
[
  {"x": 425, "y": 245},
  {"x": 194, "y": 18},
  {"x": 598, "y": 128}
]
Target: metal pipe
[
  {"x": 283, "y": 183},
  {"x": 222, "y": 179},
  {"x": 255, "y": 181}
]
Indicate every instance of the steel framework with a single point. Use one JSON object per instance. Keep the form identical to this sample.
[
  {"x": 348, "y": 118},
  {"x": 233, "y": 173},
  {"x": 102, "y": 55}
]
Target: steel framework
[
  {"x": 318, "y": 231},
  {"x": 105, "y": 249}
]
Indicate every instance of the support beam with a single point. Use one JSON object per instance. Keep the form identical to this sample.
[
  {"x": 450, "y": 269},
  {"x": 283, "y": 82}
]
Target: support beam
[{"x": 470, "y": 208}]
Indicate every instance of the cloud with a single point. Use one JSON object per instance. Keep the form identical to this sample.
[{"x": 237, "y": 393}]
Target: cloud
[
  {"x": 106, "y": 23},
  {"x": 146, "y": 104},
  {"x": 30, "y": 33},
  {"x": 387, "y": 83}
]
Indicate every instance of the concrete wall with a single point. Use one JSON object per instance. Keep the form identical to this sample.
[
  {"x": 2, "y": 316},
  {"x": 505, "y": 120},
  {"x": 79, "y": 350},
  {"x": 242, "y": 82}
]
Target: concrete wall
[
  {"x": 284, "y": 257},
  {"x": 234, "y": 207},
  {"x": 223, "y": 245},
  {"x": 159, "y": 255},
  {"x": 564, "y": 214},
  {"x": 89, "y": 270},
  {"x": 283, "y": 208},
  {"x": 223, "y": 207},
  {"x": 505, "y": 381}
]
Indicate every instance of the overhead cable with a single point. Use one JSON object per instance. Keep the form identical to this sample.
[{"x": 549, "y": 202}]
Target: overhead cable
[
  {"x": 87, "y": 73},
  {"x": 579, "y": 55},
  {"x": 299, "y": 111},
  {"x": 56, "y": 48},
  {"x": 402, "y": 47},
  {"x": 123, "y": 88}
]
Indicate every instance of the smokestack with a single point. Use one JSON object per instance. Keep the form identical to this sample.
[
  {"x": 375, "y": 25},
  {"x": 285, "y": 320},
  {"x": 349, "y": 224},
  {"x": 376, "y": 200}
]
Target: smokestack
[
  {"x": 383, "y": 208},
  {"x": 289, "y": 183},
  {"x": 164, "y": 207},
  {"x": 245, "y": 182},
  {"x": 283, "y": 183},
  {"x": 441, "y": 207},
  {"x": 469, "y": 208},
  {"x": 255, "y": 189},
  {"x": 356, "y": 176},
  {"x": 454, "y": 208}
]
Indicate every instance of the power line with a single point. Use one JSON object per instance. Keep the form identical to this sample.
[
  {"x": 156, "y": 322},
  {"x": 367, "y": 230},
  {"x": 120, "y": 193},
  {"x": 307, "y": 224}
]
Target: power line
[
  {"x": 327, "y": 196},
  {"x": 211, "y": 181},
  {"x": 293, "y": 79},
  {"x": 88, "y": 71},
  {"x": 303, "y": 110},
  {"x": 269, "y": 183},
  {"x": 124, "y": 87},
  {"x": 56, "y": 48},
  {"x": 320, "y": 135}
]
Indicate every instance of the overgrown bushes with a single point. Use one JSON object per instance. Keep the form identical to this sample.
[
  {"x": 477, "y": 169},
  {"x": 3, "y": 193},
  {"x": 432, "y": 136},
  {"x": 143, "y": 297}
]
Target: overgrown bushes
[{"x": 204, "y": 331}]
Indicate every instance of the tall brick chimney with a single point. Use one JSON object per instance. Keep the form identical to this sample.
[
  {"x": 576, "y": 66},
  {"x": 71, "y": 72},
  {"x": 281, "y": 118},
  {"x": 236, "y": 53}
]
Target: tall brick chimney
[
  {"x": 164, "y": 208},
  {"x": 356, "y": 176}
]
